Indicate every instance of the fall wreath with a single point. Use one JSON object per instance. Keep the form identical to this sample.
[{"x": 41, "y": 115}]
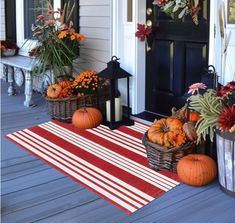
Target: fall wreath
[{"x": 179, "y": 8}]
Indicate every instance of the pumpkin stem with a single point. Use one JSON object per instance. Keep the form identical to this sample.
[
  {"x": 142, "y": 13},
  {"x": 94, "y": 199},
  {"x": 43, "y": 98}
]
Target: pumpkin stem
[{"x": 165, "y": 128}]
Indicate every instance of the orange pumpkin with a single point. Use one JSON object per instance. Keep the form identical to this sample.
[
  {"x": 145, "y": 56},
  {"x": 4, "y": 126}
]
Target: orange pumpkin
[
  {"x": 197, "y": 169},
  {"x": 193, "y": 116},
  {"x": 87, "y": 118},
  {"x": 54, "y": 90},
  {"x": 167, "y": 132}
]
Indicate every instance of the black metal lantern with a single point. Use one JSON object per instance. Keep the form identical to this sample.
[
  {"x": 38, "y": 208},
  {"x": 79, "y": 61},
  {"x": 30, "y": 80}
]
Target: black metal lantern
[{"x": 113, "y": 72}]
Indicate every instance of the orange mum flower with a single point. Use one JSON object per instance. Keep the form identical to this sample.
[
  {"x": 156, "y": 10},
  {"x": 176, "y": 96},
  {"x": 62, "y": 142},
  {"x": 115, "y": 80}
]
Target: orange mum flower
[
  {"x": 72, "y": 37},
  {"x": 62, "y": 35},
  {"x": 80, "y": 37}
]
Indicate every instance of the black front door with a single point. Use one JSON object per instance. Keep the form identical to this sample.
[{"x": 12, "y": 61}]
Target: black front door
[{"x": 178, "y": 57}]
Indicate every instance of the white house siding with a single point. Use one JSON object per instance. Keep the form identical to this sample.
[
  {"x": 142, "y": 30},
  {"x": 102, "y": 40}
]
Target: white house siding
[
  {"x": 229, "y": 74},
  {"x": 2, "y": 27},
  {"x": 223, "y": 61},
  {"x": 95, "y": 25}
]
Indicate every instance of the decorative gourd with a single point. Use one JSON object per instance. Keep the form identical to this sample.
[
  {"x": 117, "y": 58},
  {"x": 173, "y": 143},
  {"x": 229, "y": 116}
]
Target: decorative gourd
[
  {"x": 193, "y": 116},
  {"x": 190, "y": 131},
  {"x": 167, "y": 132},
  {"x": 196, "y": 169},
  {"x": 65, "y": 84},
  {"x": 54, "y": 90},
  {"x": 86, "y": 118}
]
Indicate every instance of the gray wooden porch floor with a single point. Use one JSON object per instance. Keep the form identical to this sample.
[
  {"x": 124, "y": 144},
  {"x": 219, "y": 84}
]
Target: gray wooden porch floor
[{"x": 34, "y": 192}]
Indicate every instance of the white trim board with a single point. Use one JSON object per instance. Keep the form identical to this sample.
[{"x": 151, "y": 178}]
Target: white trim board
[
  {"x": 131, "y": 51},
  {"x": 140, "y": 53}
]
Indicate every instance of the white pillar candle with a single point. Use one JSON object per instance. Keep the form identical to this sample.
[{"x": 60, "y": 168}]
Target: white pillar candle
[{"x": 118, "y": 110}]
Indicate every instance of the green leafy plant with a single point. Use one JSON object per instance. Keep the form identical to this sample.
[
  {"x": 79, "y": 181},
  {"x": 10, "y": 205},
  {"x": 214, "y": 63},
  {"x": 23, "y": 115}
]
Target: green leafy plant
[
  {"x": 216, "y": 109},
  {"x": 209, "y": 108}
]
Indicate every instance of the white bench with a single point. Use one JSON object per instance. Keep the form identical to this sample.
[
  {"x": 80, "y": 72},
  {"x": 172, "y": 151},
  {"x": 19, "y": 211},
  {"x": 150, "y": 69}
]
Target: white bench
[{"x": 26, "y": 64}]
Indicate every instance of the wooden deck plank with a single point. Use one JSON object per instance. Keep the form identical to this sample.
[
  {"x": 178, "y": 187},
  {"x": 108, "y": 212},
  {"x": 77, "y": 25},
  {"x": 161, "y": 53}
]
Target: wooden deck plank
[
  {"x": 61, "y": 203},
  {"x": 17, "y": 159},
  {"x": 34, "y": 192},
  {"x": 96, "y": 211},
  {"x": 32, "y": 116},
  {"x": 40, "y": 190},
  {"x": 202, "y": 207},
  {"x": 38, "y": 194},
  {"x": 25, "y": 121},
  {"x": 30, "y": 180},
  {"x": 22, "y": 169},
  {"x": 171, "y": 198}
]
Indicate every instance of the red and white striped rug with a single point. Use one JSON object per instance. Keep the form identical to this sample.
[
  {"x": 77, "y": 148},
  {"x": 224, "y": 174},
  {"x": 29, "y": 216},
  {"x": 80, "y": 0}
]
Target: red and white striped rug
[{"x": 111, "y": 163}]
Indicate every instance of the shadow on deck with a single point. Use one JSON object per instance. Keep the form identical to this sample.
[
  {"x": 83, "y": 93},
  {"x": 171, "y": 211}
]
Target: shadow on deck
[{"x": 34, "y": 192}]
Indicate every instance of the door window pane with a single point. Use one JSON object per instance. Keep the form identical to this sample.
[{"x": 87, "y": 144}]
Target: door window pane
[
  {"x": 129, "y": 10},
  {"x": 33, "y": 8}
]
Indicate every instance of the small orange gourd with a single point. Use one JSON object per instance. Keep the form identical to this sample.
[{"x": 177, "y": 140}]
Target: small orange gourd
[
  {"x": 193, "y": 116},
  {"x": 54, "y": 90},
  {"x": 196, "y": 169},
  {"x": 87, "y": 118}
]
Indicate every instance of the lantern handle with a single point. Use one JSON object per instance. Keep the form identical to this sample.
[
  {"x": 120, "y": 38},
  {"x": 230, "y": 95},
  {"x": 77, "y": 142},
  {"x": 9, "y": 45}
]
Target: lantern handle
[{"x": 114, "y": 58}]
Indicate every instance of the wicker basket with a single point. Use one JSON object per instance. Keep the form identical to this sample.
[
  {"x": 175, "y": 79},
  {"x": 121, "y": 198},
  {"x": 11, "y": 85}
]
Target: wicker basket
[
  {"x": 62, "y": 109},
  {"x": 160, "y": 158}
]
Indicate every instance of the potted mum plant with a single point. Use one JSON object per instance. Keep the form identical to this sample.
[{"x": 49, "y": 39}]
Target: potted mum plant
[
  {"x": 217, "y": 111},
  {"x": 58, "y": 43},
  {"x": 8, "y": 48},
  {"x": 65, "y": 97}
]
